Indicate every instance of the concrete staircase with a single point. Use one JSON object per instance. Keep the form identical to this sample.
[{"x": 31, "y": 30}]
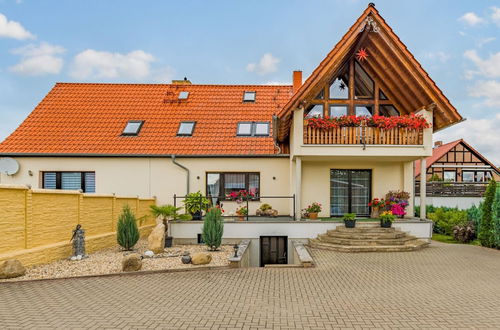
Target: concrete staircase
[{"x": 367, "y": 237}]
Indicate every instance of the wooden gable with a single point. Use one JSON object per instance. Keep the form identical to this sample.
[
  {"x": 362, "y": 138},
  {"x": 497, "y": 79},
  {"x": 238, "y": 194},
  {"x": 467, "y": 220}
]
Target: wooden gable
[{"x": 389, "y": 63}]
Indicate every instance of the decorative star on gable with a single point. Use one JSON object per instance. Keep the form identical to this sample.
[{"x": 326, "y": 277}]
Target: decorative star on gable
[{"x": 362, "y": 54}]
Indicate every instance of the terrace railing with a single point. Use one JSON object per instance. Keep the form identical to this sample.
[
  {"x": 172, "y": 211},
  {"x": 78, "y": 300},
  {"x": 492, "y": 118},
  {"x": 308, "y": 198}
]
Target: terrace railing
[
  {"x": 178, "y": 201},
  {"x": 362, "y": 135},
  {"x": 453, "y": 189}
]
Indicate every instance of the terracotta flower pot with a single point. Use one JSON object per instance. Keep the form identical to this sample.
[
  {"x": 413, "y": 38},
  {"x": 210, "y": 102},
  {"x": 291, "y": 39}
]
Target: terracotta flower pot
[
  {"x": 241, "y": 217},
  {"x": 313, "y": 216},
  {"x": 375, "y": 212}
]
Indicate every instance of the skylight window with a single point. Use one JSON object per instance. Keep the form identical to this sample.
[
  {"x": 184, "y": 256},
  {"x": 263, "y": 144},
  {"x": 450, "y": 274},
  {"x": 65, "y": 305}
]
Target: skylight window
[
  {"x": 133, "y": 127},
  {"x": 183, "y": 95},
  {"x": 186, "y": 128},
  {"x": 249, "y": 96},
  {"x": 253, "y": 129}
]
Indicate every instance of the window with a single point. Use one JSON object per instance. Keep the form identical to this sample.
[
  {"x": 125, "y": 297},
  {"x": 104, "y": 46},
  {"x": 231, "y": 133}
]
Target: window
[
  {"x": 480, "y": 176},
  {"x": 315, "y": 111},
  {"x": 388, "y": 110},
  {"x": 381, "y": 95},
  {"x": 69, "y": 181},
  {"x": 363, "y": 84},
  {"x": 338, "y": 110},
  {"x": 186, "y": 128},
  {"x": 364, "y": 110},
  {"x": 339, "y": 87},
  {"x": 133, "y": 127},
  {"x": 468, "y": 176},
  {"x": 253, "y": 129},
  {"x": 221, "y": 184},
  {"x": 249, "y": 97},
  {"x": 450, "y": 176},
  {"x": 321, "y": 95},
  {"x": 183, "y": 95}
]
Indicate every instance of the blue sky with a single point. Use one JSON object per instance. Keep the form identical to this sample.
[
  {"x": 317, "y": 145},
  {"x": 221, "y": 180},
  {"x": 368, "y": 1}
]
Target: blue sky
[{"x": 242, "y": 42}]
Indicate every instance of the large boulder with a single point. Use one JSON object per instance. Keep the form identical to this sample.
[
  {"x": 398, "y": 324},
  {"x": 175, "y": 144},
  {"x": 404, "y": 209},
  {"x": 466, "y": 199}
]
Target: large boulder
[
  {"x": 156, "y": 240},
  {"x": 132, "y": 262},
  {"x": 11, "y": 268},
  {"x": 201, "y": 258}
]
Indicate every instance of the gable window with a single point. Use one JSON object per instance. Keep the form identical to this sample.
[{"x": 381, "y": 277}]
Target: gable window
[
  {"x": 388, "y": 110},
  {"x": 84, "y": 181},
  {"x": 338, "y": 110},
  {"x": 450, "y": 176},
  {"x": 315, "y": 111},
  {"x": 253, "y": 129},
  {"x": 249, "y": 96},
  {"x": 133, "y": 127},
  {"x": 467, "y": 176},
  {"x": 363, "y": 84},
  {"x": 221, "y": 184},
  {"x": 186, "y": 128},
  {"x": 364, "y": 110},
  {"x": 183, "y": 95},
  {"x": 339, "y": 88}
]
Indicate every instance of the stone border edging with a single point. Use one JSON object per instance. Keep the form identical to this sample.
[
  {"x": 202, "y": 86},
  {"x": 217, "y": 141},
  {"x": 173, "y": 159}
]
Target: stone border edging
[{"x": 304, "y": 257}]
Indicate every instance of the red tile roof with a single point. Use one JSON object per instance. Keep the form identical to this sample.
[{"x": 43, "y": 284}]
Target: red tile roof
[
  {"x": 77, "y": 118},
  {"x": 437, "y": 153}
]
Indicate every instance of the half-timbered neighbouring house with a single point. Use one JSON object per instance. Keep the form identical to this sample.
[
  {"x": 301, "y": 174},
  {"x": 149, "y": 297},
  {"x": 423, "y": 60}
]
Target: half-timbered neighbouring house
[
  {"x": 351, "y": 132},
  {"x": 456, "y": 174}
]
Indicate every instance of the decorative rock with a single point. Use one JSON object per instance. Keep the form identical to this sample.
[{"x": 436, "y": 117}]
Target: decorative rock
[
  {"x": 132, "y": 262},
  {"x": 156, "y": 240},
  {"x": 11, "y": 268},
  {"x": 201, "y": 258},
  {"x": 185, "y": 253},
  {"x": 79, "y": 257},
  {"x": 186, "y": 259},
  {"x": 149, "y": 254},
  {"x": 73, "y": 258}
]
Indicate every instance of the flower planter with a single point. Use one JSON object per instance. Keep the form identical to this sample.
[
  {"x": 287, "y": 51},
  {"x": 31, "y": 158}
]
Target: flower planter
[
  {"x": 385, "y": 224},
  {"x": 313, "y": 216},
  {"x": 375, "y": 212},
  {"x": 350, "y": 223},
  {"x": 241, "y": 217},
  {"x": 196, "y": 215}
]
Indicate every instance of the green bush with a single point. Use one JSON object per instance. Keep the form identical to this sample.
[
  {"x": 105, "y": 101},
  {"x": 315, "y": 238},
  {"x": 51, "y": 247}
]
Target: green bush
[
  {"x": 487, "y": 226},
  {"x": 127, "y": 232},
  {"x": 213, "y": 228},
  {"x": 474, "y": 215},
  {"x": 445, "y": 219},
  {"x": 496, "y": 217}
]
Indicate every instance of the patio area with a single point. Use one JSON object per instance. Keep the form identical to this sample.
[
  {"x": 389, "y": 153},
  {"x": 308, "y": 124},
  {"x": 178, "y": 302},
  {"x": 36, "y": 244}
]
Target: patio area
[{"x": 441, "y": 287}]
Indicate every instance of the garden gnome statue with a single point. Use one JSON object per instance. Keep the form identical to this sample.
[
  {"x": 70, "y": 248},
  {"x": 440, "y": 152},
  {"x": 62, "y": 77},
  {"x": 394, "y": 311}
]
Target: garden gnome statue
[{"x": 78, "y": 243}]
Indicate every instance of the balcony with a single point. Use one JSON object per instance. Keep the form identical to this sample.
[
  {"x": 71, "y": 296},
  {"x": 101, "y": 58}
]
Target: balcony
[
  {"x": 362, "y": 135},
  {"x": 453, "y": 189}
]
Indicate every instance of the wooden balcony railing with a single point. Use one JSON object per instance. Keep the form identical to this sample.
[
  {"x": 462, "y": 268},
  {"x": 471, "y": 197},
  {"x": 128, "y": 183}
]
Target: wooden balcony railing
[
  {"x": 362, "y": 135},
  {"x": 456, "y": 189}
]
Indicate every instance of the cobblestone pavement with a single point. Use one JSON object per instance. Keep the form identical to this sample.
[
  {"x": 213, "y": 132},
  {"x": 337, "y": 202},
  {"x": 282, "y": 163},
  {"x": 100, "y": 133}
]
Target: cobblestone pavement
[{"x": 443, "y": 286}]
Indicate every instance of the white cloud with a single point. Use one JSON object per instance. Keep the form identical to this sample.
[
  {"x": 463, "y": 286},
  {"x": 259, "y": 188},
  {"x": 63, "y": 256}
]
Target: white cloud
[
  {"x": 482, "y": 134},
  {"x": 93, "y": 64},
  {"x": 489, "y": 90},
  {"x": 471, "y": 19},
  {"x": 440, "y": 56},
  {"x": 267, "y": 64},
  {"x": 489, "y": 68},
  {"x": 278, "y": 83},
  {"x": 163, "y": 75},
  {"x": 13, "y": 29},
  {"x": 38, "y": 60},
  {"x": 483, "y": 41},
  {"x": 495, "y": 15}
]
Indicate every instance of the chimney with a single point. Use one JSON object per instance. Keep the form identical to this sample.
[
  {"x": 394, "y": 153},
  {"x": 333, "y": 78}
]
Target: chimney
[
  {"x": 297, "y": 80},
  {"x": 181, "y": 82},
  {"x": 438, "y": 144}
]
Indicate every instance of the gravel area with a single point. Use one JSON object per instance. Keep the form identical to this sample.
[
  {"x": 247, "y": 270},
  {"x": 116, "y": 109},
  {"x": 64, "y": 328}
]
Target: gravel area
[{"x": 109, "y": 261}]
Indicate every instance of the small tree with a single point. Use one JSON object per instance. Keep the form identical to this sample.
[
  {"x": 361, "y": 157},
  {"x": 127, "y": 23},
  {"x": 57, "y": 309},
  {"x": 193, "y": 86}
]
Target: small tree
[
  {"x": 167, "y": 213},
  {"x": 127, "y": 232},
  {"x": 213, "y": 228},
  {"x": 486, "y": 227}
]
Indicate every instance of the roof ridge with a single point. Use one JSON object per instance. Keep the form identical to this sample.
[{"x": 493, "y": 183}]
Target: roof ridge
[{"x": 162, "y": 84}]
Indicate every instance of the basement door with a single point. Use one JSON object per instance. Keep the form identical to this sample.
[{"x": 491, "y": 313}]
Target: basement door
[
  {"x": 350, "y": 192},
  {"x": 273, "y": 250}
]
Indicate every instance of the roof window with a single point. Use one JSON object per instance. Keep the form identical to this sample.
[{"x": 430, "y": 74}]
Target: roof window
[
  {"x": 249, "y": 96},
  {"x": 186, "y": 128},
  {"x": 133, "y": 127},
  {"x": 253, "y": 129},
  {"x": 183, "y": 95}
]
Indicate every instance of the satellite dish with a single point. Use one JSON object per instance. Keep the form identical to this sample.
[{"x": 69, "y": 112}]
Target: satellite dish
[{"x": 9, "y": 166}]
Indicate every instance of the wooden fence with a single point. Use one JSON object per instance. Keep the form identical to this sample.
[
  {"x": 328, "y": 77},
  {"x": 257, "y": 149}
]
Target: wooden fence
[{"x": 453, "y": 189}]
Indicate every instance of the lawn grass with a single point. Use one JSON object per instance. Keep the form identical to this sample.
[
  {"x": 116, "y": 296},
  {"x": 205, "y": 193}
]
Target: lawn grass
[{"x": 449, "y": 239}]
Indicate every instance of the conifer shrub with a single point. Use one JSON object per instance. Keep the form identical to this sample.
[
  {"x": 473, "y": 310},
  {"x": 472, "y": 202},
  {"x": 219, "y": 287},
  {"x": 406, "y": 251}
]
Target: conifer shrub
[
  {"x": 486, "y": 228},
  {"x": 127, "y": 232},
  {"x": 496, "y": 217},
  {"x": 213, "y": 228}
]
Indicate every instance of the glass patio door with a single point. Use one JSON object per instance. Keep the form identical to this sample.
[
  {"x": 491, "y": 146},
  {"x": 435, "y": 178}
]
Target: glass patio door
[{"x": 350, "y": 192}]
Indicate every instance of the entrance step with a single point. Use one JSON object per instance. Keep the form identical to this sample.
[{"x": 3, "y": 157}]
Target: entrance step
[{"x": 367, "y": 238}]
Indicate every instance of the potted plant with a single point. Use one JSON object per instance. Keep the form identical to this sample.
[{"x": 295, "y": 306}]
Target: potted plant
[
  {"x": 349, "y": 220},
  {"x": 386, "y": 219},
  {"x": 242, "y": 212},
  {"x": 397, "y": 201},
  {"x": 195, "y": 204},
  {"x": 167, "y": 213},
  {"x": 266, "y": 210},
  {"x": 313, "y": 210},
  {"x": 376, "y": 204}
]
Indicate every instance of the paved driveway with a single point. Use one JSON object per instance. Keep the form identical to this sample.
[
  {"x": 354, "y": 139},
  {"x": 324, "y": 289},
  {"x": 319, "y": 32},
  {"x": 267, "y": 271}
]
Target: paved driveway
[{"x": 443, "y": 286}]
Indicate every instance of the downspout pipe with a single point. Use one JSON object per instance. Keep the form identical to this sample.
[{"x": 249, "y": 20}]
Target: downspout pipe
[{"x": 185, "y": 169}]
